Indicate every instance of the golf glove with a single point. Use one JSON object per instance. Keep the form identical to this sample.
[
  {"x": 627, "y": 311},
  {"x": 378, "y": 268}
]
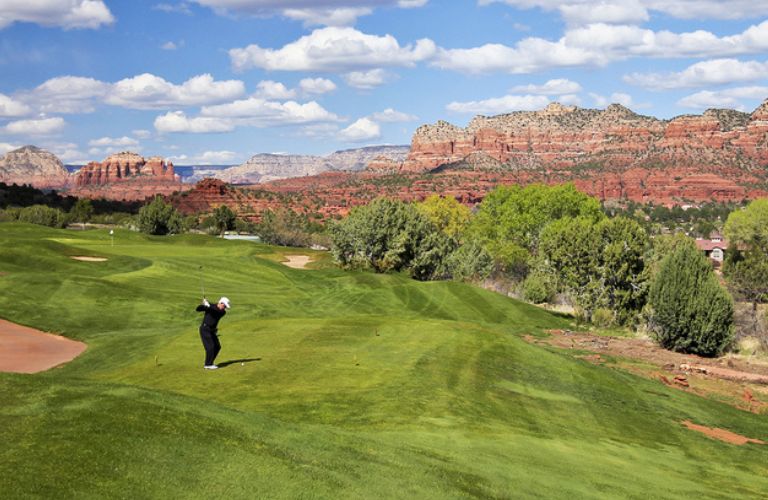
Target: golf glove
[{"x": 206, "y": 303}]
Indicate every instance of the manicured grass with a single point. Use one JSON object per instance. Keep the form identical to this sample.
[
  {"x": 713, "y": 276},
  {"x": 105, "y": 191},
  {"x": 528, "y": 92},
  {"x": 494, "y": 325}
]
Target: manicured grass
[{"x": 352, "y": 385}]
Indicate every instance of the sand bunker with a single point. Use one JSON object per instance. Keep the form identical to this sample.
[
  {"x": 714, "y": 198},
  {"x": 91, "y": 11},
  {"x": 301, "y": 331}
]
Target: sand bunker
[
  {"x": 88, "y": 259},
  {"x": 297, "y": 261},
  {"x": 721, "y": 434},
  {"x": 26, "y": 350}
]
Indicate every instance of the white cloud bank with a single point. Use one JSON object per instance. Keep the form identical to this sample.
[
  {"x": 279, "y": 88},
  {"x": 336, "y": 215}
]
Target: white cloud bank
[
  {"x": 67, "y": 14},
  {"x": 500, "y": 105},
  {"x": 42, "y": 126},
  {"x": 713, "y": 72},
  {"x": 74, "y": 94},
  {"x": 333, "y": 49},
  {"x": 637, "y": 11},
  {"x": 598, "y": 45}
]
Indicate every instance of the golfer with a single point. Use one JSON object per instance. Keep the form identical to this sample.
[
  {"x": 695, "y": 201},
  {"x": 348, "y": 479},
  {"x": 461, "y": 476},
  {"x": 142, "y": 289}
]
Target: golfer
[{"x": 209, "y": 327}]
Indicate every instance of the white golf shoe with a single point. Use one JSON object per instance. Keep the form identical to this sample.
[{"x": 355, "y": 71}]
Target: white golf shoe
[{"x": 211, "y": 367}]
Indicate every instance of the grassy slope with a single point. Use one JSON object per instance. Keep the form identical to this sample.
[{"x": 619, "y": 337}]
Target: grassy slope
[{"x": 354, "y": 385}]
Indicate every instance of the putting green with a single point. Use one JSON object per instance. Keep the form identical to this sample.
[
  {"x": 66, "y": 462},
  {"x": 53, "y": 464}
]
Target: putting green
[{"x": 333, "y": 385}]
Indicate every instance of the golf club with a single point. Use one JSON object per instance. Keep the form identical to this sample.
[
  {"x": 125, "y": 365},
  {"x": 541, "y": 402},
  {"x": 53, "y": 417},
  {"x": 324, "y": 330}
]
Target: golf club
[{"x": 202, "y": 285}]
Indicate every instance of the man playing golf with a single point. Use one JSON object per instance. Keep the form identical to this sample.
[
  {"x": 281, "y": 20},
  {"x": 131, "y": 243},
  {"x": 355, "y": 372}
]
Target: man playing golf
[{"x": 209, "y": 327}]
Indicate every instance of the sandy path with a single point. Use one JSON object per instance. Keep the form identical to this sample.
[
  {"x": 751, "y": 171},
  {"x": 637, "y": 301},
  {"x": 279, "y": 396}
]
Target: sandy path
[
  {"x": 26, "y": 350},
  {"x": 297, "y": 261}
]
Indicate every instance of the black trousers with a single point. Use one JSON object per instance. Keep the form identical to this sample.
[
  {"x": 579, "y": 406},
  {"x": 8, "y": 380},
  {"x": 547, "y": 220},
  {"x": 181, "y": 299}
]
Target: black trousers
[{"x": 211, "y": 344}]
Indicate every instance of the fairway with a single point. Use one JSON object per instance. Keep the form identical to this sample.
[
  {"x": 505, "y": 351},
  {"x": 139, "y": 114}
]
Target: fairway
[{"x": 332, "y": 384}]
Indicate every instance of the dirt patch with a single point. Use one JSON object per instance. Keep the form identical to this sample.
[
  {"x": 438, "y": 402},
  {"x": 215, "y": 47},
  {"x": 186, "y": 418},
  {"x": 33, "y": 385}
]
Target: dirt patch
[
  {"x": 738, "y": 381},
  {"x": 26, "y": 350},
  {"x": 721, "y": 434},
  {"x": 297, "y": 261},
  {"x": 85, "y": 258}
]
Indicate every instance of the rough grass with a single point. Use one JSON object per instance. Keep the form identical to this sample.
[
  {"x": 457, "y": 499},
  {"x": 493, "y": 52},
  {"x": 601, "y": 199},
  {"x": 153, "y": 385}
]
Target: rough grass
[{"x": 333, "y": 385}]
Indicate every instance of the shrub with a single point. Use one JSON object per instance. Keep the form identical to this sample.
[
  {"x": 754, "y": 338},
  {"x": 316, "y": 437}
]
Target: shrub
[
  {"x": 384, "y": 235},
  {"x": 43, "y": 215},
  {"x": 603, "y": 317},
  {"x": 470, "y": 262},
  {"x": 690, "y": 311},
  {"x": 158, "y": 217},
  {"x": 539, "y": 287}
]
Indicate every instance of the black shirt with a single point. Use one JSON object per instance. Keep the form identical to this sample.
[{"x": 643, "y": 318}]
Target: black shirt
[{"x": 212, "y": 315}]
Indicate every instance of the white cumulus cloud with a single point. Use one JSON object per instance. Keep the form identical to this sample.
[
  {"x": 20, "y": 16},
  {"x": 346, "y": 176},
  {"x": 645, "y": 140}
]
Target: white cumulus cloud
[
  {"x": 500, "y": 105},
  {"x": 316, "y": 86},
  {"x": 179, "y": 122},
  {"x": 268, "y": 89},
  {"x": 260, "y": 112},
  {"x": 557, "y": 86},
  {"x": 390, "y": 115},
  {"x": 147, "y": 91},
  {"x": 712, "y": 72},
  {"x": 730, "y": 98},
  {"x": 67, "y": 94},
  {"x": 67, "y": 14},
  {"x": 12, "y": 108},
  {"x": 223, "y": 157},
  {"x": 598, "y": 45},
  {"x": 366, "y": 80},
  {"x": 42, "y": 126},
  {"x": 105, "y": 142},
  {"x": 362, "y": 130},
  {"x": 627, "y": 11},
  {"x": 333, "y": 49}
]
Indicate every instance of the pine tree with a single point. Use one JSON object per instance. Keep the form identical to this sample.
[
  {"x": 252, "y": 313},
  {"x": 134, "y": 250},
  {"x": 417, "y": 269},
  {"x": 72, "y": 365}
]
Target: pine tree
[{"x": 691, "y": 312}]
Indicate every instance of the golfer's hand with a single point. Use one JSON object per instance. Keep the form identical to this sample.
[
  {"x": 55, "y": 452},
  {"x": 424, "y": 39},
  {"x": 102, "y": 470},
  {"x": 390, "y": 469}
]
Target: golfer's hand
[{"x": 206, "y": 303}]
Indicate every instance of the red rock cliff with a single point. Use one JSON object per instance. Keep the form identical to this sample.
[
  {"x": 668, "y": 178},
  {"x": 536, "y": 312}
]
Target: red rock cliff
[
  {"x": 563, "y": 137},
  {"x": 126, "y": 176}
]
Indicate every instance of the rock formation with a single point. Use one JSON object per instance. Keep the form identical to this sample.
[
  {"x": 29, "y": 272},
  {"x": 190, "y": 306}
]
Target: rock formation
[
  {"x": 35, "y": 166},
  {"x": 269, "y": 167},
  {"x": 126, "y": 176},
  {"x": 561, "y": 137}
]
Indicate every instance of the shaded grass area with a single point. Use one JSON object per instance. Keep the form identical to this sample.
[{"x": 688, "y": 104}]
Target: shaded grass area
[{"x": 333, "y": 385}]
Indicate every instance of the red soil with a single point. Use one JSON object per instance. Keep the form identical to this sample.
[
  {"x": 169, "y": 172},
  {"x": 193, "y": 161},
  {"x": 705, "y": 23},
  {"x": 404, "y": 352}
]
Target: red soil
[{"x": 721, "y": 434}]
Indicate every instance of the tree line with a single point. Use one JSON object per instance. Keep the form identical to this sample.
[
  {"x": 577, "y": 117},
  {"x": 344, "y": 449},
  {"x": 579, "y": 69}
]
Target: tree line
[{"x": 554, "y": 242}]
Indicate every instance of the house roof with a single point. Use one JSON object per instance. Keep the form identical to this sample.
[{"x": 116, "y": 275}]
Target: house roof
[{"x": 709, "y": 245}]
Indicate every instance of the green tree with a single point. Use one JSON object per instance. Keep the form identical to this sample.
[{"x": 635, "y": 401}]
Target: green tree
[
  {"x": 81, "y": 211},
  {"x": 470, "y": 262},
  {"x": 43, "y": 215},
  {"x": 600, "y": 264},
  {"x": 159, "y": 217},
  {"x": 746, "y": 264},
  {"x": 286, "y": 227},
  {"x": 690, "y": 311},
  {"x": 446, "y": 214},
  {"x": 510, "y": 219},
  {"x": 385, "y": 235},
  {"x": 224, "y": 219}
]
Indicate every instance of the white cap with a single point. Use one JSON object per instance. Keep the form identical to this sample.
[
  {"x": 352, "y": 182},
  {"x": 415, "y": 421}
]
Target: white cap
[{"x": 224, "y": 301}]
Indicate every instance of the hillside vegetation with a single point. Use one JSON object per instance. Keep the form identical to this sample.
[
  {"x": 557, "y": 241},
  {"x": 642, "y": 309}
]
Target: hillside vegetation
[{"x": 333, "y": 385}]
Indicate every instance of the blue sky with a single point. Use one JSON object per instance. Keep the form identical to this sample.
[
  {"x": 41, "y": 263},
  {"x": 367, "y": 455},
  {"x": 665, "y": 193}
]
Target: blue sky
[{"x": 217, "y": 81}]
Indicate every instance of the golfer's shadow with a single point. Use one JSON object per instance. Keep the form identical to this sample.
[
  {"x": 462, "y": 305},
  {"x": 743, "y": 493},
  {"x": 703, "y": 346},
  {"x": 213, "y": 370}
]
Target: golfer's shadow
[{"x": 235, "y": 361}]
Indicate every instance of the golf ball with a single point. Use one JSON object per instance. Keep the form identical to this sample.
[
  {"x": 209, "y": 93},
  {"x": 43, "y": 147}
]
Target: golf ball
[{"x": 242, "y": 364}]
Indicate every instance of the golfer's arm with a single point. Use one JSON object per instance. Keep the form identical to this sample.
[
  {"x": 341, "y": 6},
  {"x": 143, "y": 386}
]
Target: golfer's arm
[{"x": 202, "y": 307}]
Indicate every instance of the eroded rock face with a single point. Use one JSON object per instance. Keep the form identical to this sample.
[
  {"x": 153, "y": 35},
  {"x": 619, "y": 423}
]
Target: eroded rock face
[
  {"x": 566, "y": 137},
  {"x": 35, "y": 166},
  {"x": 126, "y": 176},
  {"x": 270, "y": 167}
]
